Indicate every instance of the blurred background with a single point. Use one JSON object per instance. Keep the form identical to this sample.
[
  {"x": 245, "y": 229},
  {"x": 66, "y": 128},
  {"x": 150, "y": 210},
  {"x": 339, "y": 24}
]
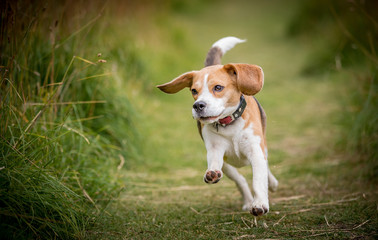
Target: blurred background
[{"x": 89, "y": 145}]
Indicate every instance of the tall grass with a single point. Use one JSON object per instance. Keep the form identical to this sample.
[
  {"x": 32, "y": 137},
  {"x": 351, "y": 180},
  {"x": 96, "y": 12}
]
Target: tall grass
[
  {"x": 345, "y": 33},
  {"x": 66, "y": 130}
]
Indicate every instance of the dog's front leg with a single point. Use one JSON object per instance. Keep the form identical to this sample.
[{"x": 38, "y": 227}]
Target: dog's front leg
[
  {"x": 260, "y": 203},
  {"x": 215, "y": 155}
]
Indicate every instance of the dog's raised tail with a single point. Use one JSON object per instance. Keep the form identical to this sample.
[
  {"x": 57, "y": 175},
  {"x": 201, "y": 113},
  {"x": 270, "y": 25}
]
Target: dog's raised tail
[{"x": 219, "y": 48}]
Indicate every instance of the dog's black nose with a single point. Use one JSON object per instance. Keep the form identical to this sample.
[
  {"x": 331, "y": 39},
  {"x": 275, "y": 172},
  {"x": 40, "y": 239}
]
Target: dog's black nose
[{"x": 199, "y": 106}]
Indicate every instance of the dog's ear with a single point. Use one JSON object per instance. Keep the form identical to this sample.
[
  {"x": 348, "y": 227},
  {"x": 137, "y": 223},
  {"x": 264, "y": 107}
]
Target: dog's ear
[
  {"x": 177, "y": 84},
  {"x": 249, "y": 78}
]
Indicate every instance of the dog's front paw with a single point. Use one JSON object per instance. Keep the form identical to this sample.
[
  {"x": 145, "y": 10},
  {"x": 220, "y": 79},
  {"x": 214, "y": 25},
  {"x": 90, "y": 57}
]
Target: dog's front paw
[
  {"x": 212, "y": 176},
  {"x": 259, "y": 208}
]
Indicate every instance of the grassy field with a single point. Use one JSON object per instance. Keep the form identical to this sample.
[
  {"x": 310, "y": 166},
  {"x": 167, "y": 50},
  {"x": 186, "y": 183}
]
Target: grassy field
[
  {"x": 165, "y": 198},
  {"x": 132, "y": 166}
]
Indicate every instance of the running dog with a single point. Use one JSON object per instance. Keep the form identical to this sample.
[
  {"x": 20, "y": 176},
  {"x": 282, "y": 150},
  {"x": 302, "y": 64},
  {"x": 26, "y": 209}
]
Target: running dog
[{"x": 231, "y": 122}]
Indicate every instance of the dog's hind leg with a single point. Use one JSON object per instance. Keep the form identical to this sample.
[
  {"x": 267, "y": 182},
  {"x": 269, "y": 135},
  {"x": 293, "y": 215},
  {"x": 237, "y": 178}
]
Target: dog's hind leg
[
  {"x": 272, "y": 182},
  {"x": 242, "y": 184}
]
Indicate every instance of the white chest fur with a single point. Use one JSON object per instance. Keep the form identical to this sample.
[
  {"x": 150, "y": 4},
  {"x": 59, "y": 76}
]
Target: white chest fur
[{"x": 233, "y": 143}]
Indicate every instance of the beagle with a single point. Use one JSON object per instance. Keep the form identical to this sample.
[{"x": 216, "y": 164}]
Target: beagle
[{"x": 231, "y": 122}]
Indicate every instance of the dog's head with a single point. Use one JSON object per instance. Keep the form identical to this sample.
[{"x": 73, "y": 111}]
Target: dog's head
[{"x": 217, "y": 89}]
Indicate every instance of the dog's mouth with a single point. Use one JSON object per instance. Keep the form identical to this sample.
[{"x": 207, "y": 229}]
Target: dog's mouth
[
  {"x": 207, "y": 118},
  {"x": 211, "y": 118}
]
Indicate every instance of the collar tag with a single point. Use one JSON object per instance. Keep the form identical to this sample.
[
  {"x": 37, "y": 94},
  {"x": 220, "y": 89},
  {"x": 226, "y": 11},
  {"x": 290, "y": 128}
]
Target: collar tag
[{"x": 226, "y": 120}]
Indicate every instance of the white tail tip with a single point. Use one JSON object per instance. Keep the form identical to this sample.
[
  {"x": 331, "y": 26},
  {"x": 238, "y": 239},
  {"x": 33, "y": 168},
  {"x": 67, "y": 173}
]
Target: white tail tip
[{"x": 227, "y": 43}]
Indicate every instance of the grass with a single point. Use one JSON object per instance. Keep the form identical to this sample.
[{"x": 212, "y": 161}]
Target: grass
[
  {"x": 92, "y": 150},
  {"x": 61, "y": 150}
]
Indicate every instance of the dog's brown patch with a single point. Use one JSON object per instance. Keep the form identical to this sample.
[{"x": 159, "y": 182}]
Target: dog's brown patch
[{"x": 252, "y": 117}]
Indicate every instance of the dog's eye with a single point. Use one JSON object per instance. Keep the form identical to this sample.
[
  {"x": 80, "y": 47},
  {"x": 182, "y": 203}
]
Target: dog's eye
[
  {"x": 218, "y": 88},
  {"x": 194, "y": 92}
]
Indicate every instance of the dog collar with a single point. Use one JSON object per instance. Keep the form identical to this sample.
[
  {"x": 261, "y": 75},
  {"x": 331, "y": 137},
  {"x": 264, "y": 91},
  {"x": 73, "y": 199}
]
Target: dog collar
[{"x": 231, "y": 118}]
